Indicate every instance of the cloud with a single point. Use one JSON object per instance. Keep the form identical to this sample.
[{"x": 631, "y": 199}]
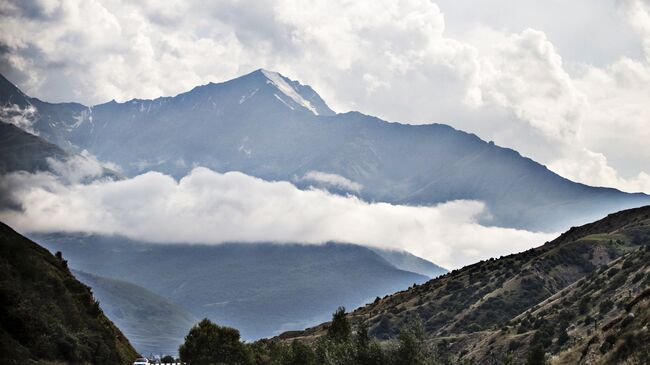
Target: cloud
[
  {"x": 79, "y": 168},
  {"x": 208, "y": 207},
  {"x": 332, "y": 180},
  {"x": 496, "y": 71},
  {"x": 22, "y": 118}
]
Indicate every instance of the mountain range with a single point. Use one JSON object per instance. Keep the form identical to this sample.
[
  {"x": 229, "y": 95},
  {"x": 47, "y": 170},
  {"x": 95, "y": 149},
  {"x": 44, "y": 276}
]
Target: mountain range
[
  {"x": 266, "y": 125},
  {"x": 262, "y": 288}
]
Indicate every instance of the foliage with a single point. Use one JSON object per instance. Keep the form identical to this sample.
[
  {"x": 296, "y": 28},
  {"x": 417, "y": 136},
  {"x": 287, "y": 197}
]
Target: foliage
[
  {"x": 339, "y": 330},
  {"x": 208, "y": 343},
  {"x": 47, "y": 315}
]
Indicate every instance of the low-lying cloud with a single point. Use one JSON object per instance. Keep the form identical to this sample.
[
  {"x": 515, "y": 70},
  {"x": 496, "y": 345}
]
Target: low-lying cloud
[
  {"x": 331, "y": 180},
  {"x": 207, "y": 207}
]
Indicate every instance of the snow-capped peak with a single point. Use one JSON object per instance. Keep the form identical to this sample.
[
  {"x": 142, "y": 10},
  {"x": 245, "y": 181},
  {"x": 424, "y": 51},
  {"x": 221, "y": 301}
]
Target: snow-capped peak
[{"x": 284, "y": 87}]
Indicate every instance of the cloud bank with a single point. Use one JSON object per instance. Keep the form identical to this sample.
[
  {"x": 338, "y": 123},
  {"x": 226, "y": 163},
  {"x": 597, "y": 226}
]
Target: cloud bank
[{"x": 207, "y": 207}]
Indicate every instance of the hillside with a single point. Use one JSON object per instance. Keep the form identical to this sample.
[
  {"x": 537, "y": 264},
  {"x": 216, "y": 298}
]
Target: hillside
[
  {"x": 262, "y": 289},
  {"x": 600, "y": 319},
  {"x": 236, "y": 126},
  {"x": 151, "y": 323},
  {"x": 49, "y": 316},
  {"x": 22, "y": 151},
  {"x": 464, "y": 306}
]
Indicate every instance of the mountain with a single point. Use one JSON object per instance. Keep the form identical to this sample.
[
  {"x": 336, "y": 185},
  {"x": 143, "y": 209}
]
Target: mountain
[
  {"x": 48, "y": 316},
  {"x": 600, "y": 319},
  {"x": 265, "y": 125},
  {"x": 150, "y": 322},
  {"x": 408, "y": 262},
  {"x": 485, "y": 310},
  {"x": 262, "y": 289},
  {"x": 22, "y": 151}
]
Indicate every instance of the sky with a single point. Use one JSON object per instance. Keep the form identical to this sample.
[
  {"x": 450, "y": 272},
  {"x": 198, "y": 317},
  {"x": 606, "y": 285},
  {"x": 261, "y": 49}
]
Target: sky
[{"x": 566, "y": 83}]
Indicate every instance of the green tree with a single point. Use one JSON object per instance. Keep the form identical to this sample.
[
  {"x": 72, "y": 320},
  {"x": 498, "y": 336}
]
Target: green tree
[
  {"x": 167, "y": 359},
  {"x": 412, "y": 348},
  {"x": 339, "y": 330},
  {"x": 210, "y": 344},
  {"x": 301, "y": 354}
]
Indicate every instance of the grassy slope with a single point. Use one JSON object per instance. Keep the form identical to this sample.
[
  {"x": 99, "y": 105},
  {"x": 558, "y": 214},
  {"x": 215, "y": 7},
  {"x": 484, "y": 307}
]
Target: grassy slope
[{"x": 49, "y": 316}]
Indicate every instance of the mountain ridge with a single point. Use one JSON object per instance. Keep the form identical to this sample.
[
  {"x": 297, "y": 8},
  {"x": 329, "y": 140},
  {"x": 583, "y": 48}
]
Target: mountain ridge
[{"x": 236, "y": 125}]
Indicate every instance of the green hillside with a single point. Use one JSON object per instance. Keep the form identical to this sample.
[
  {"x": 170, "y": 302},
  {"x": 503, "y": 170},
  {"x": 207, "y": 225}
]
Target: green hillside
[{"x": 48, "y": 316}]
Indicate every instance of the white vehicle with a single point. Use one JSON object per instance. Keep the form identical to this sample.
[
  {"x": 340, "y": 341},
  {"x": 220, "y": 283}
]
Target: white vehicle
[{"x": 141, "y": 361}]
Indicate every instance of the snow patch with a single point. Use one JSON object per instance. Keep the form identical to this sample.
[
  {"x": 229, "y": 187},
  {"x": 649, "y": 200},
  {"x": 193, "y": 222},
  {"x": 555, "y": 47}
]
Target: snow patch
[
  {"x": 246, "y": 97},
  {"x": 283, "y": 102},
  {"x": 280, "y": 83}
]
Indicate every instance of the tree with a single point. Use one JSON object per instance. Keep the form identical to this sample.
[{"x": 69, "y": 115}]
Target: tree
[
  {"x": 301, "y": 354},
  {"x": 412, "y": 348},
  {"x": 536, "y": 355},
  {"x": 167, "y": 359},
  {"x": 208, "y": 344},
  {"x": 339, "y": 330}
]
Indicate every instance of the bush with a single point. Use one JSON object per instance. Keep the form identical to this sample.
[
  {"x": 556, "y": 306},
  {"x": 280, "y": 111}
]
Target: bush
[
  {"x": 339, "y": 330},
  {"x": 208, "y": 343}
]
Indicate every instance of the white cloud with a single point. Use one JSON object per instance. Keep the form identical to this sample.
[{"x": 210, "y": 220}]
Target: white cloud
[
  {"x": 209, "y": 207},
  {"x": 587, "y": 118},
  {"x": 332, "y": 180},
  {"x": 22, "y": 118}
]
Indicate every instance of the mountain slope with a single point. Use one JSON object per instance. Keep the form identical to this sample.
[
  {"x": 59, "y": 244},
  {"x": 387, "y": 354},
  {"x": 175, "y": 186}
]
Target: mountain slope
[
  {"x": 261, "y": 289},
  {"x": 151, "y": 323},
  {"x": 465, "y": 305},
  {"x": 46, "y": 314},
  {"x": 268, "y": 126},
  {"x": 21, "y": 151},
  {"x": 408, "y": 262},
  {"x": 600, "y": 319}
]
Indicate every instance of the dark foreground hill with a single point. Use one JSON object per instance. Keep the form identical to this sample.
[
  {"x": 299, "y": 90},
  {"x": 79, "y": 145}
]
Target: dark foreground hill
[
  {"x": 262, "y": 289},
  {"x": 583, "y": 297},
  {"x": 268, "y": 126},
  {"x": 46, "y": 315}
]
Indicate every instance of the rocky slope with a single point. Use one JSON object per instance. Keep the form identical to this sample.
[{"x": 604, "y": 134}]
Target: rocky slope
[{"x": 486, "y": 310}]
